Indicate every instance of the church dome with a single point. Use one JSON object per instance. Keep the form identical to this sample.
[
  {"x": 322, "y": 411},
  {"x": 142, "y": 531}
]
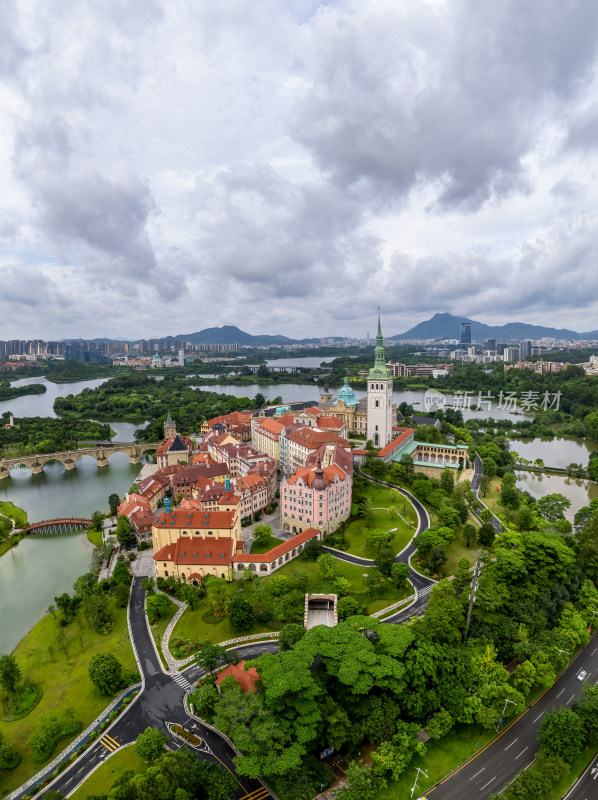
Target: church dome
[{"x": 347, "y": 395}]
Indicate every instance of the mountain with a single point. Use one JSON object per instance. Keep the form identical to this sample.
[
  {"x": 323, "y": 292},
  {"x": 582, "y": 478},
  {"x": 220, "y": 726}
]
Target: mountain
[
  {"x": 230, "y": 334},
  {"x": 446, "y": 326}
]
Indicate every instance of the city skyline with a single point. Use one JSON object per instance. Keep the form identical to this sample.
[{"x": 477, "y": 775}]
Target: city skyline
[{"x": 288, "y": 167}]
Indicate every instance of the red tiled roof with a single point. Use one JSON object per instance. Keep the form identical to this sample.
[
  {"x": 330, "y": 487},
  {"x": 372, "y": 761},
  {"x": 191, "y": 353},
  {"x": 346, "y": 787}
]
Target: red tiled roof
[
  {"x": 279, "y": 550},
  {"x": 187, "y": 518},
  {"x": 174, "y": 442},
  {"x": 314, "y": 411},
  {"x": 197, "y": 551},
  {"x": 270, "y": 426},
  {"x": 401, "y": 439},
  {"x": 329, "y": 421},
  {"x": 310, "y": 438},
  {"x": 245, "y": 678},
  {"x": 308, "y": 475}
]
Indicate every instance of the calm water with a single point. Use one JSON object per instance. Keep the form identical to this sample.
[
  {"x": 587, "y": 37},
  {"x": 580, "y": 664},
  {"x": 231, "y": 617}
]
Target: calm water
[
  {"x": 32, "y": 574},
  {"x": 295, "y": 392},
  {"x": 56, "y": 492},
  {"x": 556, "y": 452},
  {"x": 41, "y": 405},
  {"x": 577, "y": 491},
  {"x": 310, "y": 362}
]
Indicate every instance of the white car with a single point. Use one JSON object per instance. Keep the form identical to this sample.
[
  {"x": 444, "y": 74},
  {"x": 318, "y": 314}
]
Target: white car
[{"x": 582, "y": 675}]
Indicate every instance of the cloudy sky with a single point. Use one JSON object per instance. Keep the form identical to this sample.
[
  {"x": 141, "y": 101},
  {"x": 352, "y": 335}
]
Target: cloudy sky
[{"x": 289, "y": 165}]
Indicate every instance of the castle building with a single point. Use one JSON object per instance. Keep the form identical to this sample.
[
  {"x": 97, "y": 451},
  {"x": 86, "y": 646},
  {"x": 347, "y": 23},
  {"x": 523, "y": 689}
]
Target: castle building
[{"x": 379, "y": 400}]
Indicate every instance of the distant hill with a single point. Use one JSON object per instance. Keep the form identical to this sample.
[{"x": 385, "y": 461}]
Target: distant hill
[
  {"x": 230, "y": 334},
  {"x": 447, "y": 326}
]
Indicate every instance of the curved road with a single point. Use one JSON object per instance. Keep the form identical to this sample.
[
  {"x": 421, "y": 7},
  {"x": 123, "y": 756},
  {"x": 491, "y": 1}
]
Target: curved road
[
  {"x": 161, "y": 699},
  {"x": 160, "y": 702}
]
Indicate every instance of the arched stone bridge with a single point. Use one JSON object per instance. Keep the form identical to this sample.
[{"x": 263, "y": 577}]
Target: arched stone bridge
[{"x": 69, "y": 458}]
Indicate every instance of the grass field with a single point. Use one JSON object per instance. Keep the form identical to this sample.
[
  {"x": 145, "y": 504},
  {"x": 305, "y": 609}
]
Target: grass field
[
  {"x": 100, "y": 781},
  {"x": 159, "y": 628},
  {"x": 455, "y": 550},
  {"x": 14, "y": 512},
  {"x": 263, "y": 547},
  {"x": 192, "y": 624},
  {"x": 95, "y": 537},
  {"x": 441, "y": 758},
  {"x": 65, "y": 681}
]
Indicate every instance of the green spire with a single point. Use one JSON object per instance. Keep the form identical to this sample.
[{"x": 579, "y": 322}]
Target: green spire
[{"x": 379, "y": 370}]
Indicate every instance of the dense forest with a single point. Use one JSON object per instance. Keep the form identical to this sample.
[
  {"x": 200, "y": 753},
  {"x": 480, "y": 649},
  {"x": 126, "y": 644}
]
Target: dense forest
[
  {"x": 7, "y": 392},
  {"x": 138, "y": 397},
  {"x": 48, "y": 435},
  {"x": 365, "y": 682}
]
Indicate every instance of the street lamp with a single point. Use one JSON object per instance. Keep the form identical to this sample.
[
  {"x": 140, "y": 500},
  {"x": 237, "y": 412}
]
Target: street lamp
[
  {"x": 416, "y": 777},
  {"x": 503, "y": 712}
]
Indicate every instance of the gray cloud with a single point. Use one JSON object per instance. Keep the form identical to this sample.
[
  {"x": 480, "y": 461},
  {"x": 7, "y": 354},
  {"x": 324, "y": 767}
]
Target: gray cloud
[
  {"x": 289, "y": 167},
  {"x": 459, "y": 97}
]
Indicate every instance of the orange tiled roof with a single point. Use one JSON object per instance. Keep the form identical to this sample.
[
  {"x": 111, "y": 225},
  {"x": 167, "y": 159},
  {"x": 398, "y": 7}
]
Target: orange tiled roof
[
  {"x": 329, "y": 421},
  {"x": 245, "y": 678},
  {"x": 279, "y": 550},
  {"x": 197, "y": 551},
  {"x": 405, "y": 434},
  {"x": 270, "y": 426},
  {"x": 187, "y": 518},
  {"x": 310, "y": 438}
]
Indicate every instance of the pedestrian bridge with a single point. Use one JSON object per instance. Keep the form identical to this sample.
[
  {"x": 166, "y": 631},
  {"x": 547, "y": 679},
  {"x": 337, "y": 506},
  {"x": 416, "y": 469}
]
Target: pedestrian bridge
[
  {"x": 57, "y": 525},
  {"x": 69, "y": 458}
]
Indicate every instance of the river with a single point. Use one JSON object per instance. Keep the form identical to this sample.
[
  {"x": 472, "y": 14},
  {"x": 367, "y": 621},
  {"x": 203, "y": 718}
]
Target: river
[
  {"x": 32, "y": 574},
  {"x": 297, "y": 392}
]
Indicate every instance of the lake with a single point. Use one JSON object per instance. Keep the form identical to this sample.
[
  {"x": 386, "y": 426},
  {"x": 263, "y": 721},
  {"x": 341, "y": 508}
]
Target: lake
[
  {"x": 538, "y": 484},
  {"x": 300, "y": 392},
  {"x": 309, "y": 362},
  {"x": 556, "y": 452},
  {"x": 41, "y": 567},
  {"x": 42, "y": 405}
]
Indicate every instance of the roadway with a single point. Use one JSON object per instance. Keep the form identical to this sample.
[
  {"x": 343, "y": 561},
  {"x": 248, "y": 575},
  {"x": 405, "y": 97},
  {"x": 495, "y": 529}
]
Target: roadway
[
  {"x": 160, "y": 702},
  {"x": 515, "y": 747},
  {"x": 586, "y": 786}
]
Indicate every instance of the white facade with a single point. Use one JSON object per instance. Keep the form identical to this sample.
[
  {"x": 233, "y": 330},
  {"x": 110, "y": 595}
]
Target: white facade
[{"x": 379, "y": 411}]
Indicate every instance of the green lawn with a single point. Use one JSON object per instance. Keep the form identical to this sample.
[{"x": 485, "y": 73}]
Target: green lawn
[
  {"x": 455, "y": 550},
  {"x": 193, "y": 625},
  {"x": 14, "y": 512},
  {"x": 441, "y": 758},
  {"x": 159, "y": 628},
  {"x": 95, "y": 537},
  {"x": 65, "y": 681},
  {"x": 100, "y": 781},
  {"x": 263, "y": 547},
  {"x": 384, "y": 520}
]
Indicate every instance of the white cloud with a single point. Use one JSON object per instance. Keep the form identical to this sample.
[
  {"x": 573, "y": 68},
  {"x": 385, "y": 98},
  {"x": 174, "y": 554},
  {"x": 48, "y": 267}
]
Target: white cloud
[{"x": 289, "y": 166}]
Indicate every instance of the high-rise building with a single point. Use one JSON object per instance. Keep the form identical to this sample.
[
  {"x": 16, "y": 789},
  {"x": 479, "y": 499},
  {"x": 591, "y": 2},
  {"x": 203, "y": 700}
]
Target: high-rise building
[
  {"x": 379, "y": 418},
  {"x": 466, "y": 333},
  {"x": 490, "y": 344},
  {"x": 526, "y": 348}
]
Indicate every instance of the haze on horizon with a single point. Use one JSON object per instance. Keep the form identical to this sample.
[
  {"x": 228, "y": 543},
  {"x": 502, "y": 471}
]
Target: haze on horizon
[{"x": 288, "y": 167}]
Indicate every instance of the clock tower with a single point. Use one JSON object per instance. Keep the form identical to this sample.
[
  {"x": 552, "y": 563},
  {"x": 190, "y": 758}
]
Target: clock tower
[{"x": 379, "y": 422}]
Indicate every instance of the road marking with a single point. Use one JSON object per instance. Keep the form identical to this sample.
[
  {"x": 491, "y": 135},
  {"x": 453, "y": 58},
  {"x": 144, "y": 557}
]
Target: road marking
[
  {"x": 569, "y": 700},
  {"x": 511, "y": 745},
  {"x": 487, "y": 784},
  {"x": 477, "y": 773},
  {"x": 594, "y": 650},
  {"x": 560, "y": 693},
  {"x": 109, "y": 743},
  {"x": 521, "y": 753},
  {"x": 257, "y": 794},
  {"x": 537, "y": 718}
]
